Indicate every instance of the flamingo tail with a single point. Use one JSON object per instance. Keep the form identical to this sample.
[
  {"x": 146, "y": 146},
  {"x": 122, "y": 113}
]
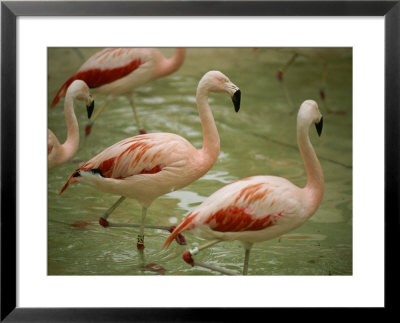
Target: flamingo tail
[
  {"x": 71, "y": 179},
  {"x": 185, "y": 225}
]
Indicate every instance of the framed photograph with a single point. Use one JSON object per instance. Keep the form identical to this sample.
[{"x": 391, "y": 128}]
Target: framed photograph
[{"x": 272, "y": 66}]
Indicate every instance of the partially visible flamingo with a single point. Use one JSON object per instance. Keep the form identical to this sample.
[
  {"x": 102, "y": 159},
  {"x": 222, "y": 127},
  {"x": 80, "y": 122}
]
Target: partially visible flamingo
[
  {"x": 260, "y": 208},
  {"x": 147, "y": 166},
  {"x": 118, "y": 71},
  {"x": 57, "y": 153},
  {"x": 319, "y": 55}
]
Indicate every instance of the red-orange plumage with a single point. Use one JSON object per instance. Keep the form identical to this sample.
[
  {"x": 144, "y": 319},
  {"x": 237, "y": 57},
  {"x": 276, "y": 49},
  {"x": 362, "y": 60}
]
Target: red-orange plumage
[
  {"x": 232, "y": 219},
  {"x": 107, "y": 166},
  {"x": 236, "y": 219},
  {"x": 70, "y": 180},
  {"x": 154, "y": 170},
  {"x": 137, "y": 147},
  {"x": 252, "y": 193},
  {"x": 141, "y": 147},
  {"x": 185, "y": 225},
  {"x": 97, "y": 77}
]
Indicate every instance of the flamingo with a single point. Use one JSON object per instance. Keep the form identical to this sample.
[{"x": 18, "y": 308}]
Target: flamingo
[
  {"x": 118, "y": 71},
  {"x": 323, "y": 55},
  {"x": 147, "y": 166},
  {"x": 57, "y": 153},
  {"x": 259, "y": 208}
]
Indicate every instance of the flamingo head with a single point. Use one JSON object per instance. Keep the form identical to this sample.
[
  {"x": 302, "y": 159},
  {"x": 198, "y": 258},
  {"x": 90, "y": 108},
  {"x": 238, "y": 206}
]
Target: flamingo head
[
  {"x": 80, "y": 91},
  {"x": 215, "y": 81},
  {"x": 309, "y": 113}
]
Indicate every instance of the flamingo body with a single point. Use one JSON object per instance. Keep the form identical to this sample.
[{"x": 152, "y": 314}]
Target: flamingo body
[
  {"x": 251, "y": 210},
  {"x": 58, "y": 153},
  {"x": 261, "y": 208},
  {"x": 147, "y": 166},
  {"x": 144, "y": 167},
  {"x": 118, "y": 71}
]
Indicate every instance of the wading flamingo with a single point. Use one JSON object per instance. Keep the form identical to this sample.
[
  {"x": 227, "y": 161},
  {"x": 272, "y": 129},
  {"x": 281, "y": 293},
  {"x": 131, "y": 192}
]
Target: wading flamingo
[
  {"x": 147, "y": 166},
  {"x": 320, "y": 55},
  {"x": 118, "y": 71},
  {"x": 58, "y": 154},
  {"x": 259, "y": 208}
]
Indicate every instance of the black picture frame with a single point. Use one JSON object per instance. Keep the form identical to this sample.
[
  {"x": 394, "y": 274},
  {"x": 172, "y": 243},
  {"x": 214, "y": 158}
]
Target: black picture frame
[{"x": 10, "y": 10}]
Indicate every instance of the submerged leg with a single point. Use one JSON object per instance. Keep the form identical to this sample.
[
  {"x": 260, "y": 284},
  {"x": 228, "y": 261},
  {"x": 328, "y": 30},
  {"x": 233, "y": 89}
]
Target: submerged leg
[
  {"x": 138, "y": 123},
  {"x": 322, "y": 93},
  {"x": 140, "y": 238},
  {"x": 279, "y": 75},
  {"x": 180, "y": 239},
  {"x": 103, "y": 220}
]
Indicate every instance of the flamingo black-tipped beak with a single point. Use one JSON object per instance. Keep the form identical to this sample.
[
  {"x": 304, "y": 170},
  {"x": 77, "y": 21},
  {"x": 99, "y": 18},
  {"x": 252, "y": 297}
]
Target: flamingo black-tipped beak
[
  {"x": 236, "y": 99},
  {"x": 90, "y": 109},
  {"x": 318, "y": 126}
]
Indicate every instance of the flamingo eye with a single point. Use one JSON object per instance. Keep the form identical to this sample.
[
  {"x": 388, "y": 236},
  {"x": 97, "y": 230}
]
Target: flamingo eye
[{"x": 222, "y": 79}]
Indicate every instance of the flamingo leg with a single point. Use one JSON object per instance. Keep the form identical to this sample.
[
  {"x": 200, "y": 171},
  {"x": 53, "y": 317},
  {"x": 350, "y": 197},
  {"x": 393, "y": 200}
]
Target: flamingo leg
[
  {"x": 103, "y": 220},
  {"x": 323, "y": 81},
  {"x": 135, "y": 225},
  {"x": 287, "y": 96},
  {"x": 322, "y": 92},
  {"x": 214, "y": 268},
  {"x": 196, "y": 250},
  {"x": 279, "y": 75},
  {"x": 187, "y": 257},
  {"x": 246, "y": 261},
  {"x": 280, "y": 78},
  {"x": 180, "y": 239},
  {"x": 140, "y": 237},
  {"x": 138, "y": 123}
]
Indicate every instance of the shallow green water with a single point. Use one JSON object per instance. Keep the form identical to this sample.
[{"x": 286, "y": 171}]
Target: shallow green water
[{"x": 259, "y": 140}]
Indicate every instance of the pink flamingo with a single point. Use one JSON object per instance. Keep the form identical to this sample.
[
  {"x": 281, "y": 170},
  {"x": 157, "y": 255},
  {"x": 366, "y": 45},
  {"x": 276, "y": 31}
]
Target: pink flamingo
[
  {"x": 118, "y": 71},
  {"x": 147, "y": 166},
  {"x": 259, "y": 208},
  {"x": 57, "y": 153}
]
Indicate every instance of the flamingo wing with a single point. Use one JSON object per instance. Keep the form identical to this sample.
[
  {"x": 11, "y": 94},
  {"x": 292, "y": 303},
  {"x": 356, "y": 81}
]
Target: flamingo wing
[
  {"x": 106, "y": 67},
  {"x": 245, "y": 205},
  {"x": 144, "y": 154}
]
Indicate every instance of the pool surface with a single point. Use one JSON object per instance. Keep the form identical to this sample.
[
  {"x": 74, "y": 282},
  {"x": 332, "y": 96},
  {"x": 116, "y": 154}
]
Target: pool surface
[{"x": 258, "y": 140}]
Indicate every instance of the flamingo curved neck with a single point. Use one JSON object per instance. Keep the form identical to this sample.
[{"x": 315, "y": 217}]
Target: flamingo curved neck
[
  {"x": 315, "y": 177},
  {"x": 170, "y": 65},
  {"x": 70, "y": 146},
  {"x": 211, "y": 141}
]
